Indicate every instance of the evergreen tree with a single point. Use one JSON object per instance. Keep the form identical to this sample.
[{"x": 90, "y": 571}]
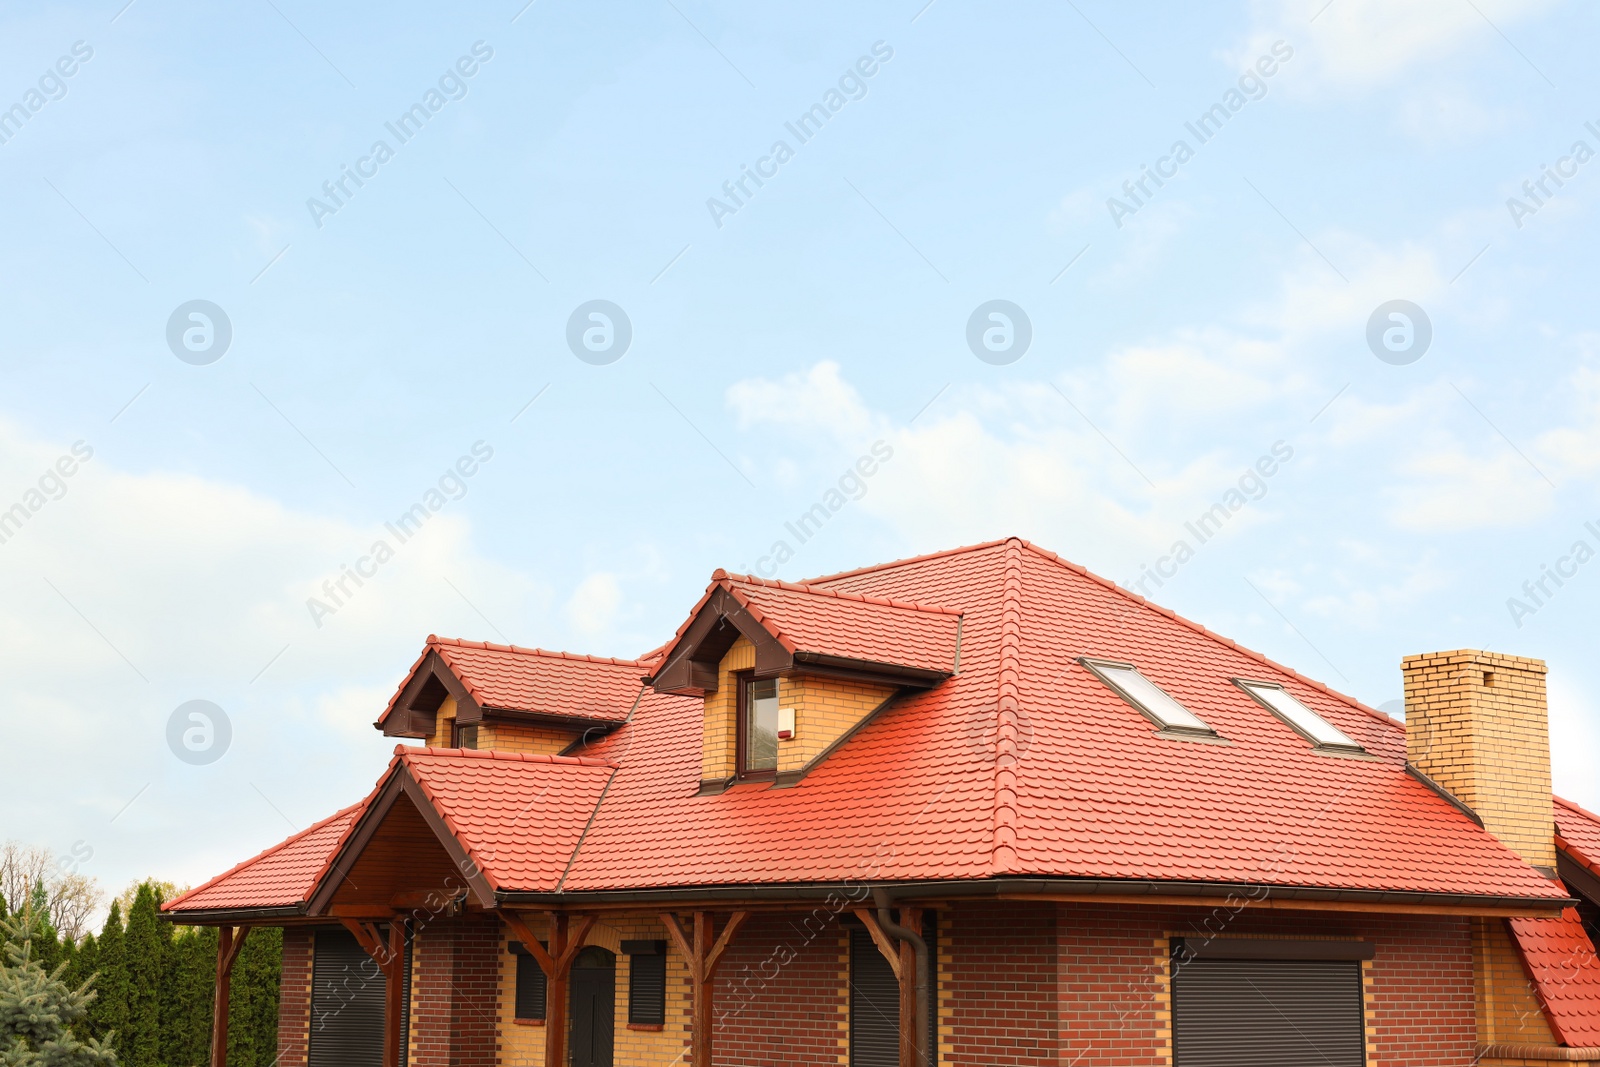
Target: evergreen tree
[
  {"x": 253, "y": 1005},
  {"x": 146, "y": 946},
  {"x": 85, "y": 961},
  {"x": 108, "y": 1015},
  {"x": 187, "y": 991},
  {"x": 46, "y": 946},
  {"x": 37, "y": 1009}
]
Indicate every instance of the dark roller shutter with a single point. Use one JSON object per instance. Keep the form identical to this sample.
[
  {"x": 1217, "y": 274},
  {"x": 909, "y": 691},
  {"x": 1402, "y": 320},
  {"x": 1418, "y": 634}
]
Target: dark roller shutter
[
  {"x": 346, "y": 1004},
  {"x": 1268, "y": 1013},
  {"x": 874, "y": 1005},
  {"x": 530, "y": 986},
  {"x": 930, "y": 934},
  {"x": 647, "y": 989}
]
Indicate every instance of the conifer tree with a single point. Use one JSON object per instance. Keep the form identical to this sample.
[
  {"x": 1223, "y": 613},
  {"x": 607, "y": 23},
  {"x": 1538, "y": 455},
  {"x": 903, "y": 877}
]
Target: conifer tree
[
  {"x": 85, "y": 963},
  {"x": 37, "y": 1009},
  {"x": 253, "y": 1005},
  {"x": 146, "y": 948},
  {"x": 108, "y": 1015},
  {"x": 187, "y": 994},
  {"x": 46, "y": 946}
]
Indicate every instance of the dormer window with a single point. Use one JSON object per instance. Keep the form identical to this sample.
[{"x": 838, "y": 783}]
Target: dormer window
[
  {"x": 464, "y": 736},
  {"x": 758, "y": 726}
]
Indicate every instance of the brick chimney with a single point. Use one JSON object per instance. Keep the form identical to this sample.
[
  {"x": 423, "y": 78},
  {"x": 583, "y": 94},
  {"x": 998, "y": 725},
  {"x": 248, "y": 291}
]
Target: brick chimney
[{"x": 1477, "y": 724}]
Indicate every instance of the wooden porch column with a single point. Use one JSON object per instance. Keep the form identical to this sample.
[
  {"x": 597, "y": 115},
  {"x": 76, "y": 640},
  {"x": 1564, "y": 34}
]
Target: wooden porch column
[
  {"x": 390, "y": 957},
  {"x": 556, "y": 963},
  {"x": 702, "y": 956},
  {"x": 902, "y": 959},
  {"x": 229, "y": 941}
]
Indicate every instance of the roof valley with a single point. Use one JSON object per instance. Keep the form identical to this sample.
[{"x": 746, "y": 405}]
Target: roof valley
[{"x": 1003, "y": 854}]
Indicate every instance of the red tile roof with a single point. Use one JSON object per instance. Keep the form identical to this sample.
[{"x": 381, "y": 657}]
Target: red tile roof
[
  {"x": 510, "y": 678},
  {"x": 1023, "y": 764},
  {"x": 1561, "y": 961},
  {"x": 1578, "y": 833},
  {"x": 282, "y": 876},
  {"x": 519, "y": 816},
  {"x": 832, "y": 622}
]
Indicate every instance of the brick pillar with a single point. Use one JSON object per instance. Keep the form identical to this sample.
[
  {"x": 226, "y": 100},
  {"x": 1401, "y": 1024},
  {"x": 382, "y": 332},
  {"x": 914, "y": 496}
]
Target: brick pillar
[
  {"x": 455, "y": 993},
  {"x": 1476, "y": 723},
  {"x": 294, "y": 999}
]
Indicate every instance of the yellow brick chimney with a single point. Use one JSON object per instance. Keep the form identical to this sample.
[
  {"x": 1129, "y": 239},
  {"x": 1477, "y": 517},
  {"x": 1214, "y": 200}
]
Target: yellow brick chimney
[{"x": 1477, "y": 723}]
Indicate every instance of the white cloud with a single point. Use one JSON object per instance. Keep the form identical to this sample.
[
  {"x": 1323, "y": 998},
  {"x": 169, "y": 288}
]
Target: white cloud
[
  {"x": 1366, "y": 44},
  {"x": 593, "y": 606}
]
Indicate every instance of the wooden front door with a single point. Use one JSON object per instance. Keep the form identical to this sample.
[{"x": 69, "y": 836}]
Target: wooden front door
[{"x": 594, "y": 996}]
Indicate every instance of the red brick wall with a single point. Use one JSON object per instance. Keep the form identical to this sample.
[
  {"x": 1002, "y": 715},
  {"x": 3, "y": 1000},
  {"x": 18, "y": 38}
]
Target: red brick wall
[
  {"x": 294, "y": 998},
  {"x": 455, "y": 988},
  {"x": 1419, "y": 985},
  {"x": 779, "y": 993},
  {"x": 1000, "y": 994}
]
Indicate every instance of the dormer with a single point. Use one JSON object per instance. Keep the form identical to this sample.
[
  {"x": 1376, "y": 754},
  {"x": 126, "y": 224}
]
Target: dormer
[
  {"x": 787, "y": 672},
  {"x": 477, "y": 695}
]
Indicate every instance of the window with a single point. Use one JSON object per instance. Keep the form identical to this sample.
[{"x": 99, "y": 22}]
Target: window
[
  {"x": 1148, "y": 697},
  {"x": 464, "y": 736},
  {"x": 530, "y": 985},
  {"x": 758, "y": 727},
  {"x": 647, "y": 982},
  {"x": 875, "y": 1000},
  {"x": 1307, "y": 723}
]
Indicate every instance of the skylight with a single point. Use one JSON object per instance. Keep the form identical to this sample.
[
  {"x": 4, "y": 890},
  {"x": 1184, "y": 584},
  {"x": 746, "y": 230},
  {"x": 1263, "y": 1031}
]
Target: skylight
[
  {"x": 1314, "y": 727},
  {"x": 1148, "y": 697}
]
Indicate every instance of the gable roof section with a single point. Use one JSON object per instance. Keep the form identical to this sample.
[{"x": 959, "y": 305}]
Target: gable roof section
[
  {"x": 796, "y": 625},
  {"x": 508, "y": 820},
  {"x": 487, "y": 677},
  {"x": 1561, "y": 961},
  {"x": 281, "y": 877}
]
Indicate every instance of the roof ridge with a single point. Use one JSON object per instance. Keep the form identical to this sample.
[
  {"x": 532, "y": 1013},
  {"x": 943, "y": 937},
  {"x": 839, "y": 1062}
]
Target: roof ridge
[
  {"x": 1213, "y": 635},
  {"x": 490, "y": 646},
  {"x": 1003, "y": 852},
  {"x": 408, "y": 753},
  {"x": 911, "y": 559},
  {"x": 263, "y": 854},
  {"x": 842, "y": 594}
]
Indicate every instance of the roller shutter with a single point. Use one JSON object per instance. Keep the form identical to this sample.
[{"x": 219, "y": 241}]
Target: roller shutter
[
  {"x": 347, "y": 994},
  {"x": 1267, "y": 1013},
  {"x": 875, "y": 1001}
]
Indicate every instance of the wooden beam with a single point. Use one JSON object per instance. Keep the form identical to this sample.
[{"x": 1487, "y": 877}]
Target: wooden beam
[
  {"x": 394, "y": 995},
  {"x": 230, "y": 940},
  {"x": 890, "y": 950},
  {"x": 702, "y": 953},
  {"x": 390, "y": 956},
  {"x": 556, "y": 963}
]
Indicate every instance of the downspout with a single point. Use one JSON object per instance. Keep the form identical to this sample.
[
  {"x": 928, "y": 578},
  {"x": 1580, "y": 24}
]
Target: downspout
[{"x": 880, "y": 897}]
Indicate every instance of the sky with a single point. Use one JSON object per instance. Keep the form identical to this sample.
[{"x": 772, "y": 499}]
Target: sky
[{"x": 613, "y": 294}]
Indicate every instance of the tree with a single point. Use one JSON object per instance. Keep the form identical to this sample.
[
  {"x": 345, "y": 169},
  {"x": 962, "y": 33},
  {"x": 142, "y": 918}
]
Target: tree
[
  {"x": 73, "y": 897},
  {"x": 85, "y": 963},
  {"x": 45, "y": 947},
  {"x": 146, "y": 946},
  {"x": 253, "y": 1005},
  {"x": 37, "y": 1009},
  {"x": 108, "y": 1016},
  {"x": 187, "y": 994}
]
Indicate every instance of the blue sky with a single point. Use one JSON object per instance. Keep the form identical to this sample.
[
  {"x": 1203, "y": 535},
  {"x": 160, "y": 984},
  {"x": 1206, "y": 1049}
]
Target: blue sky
[{"x": 1176, "y": 342}]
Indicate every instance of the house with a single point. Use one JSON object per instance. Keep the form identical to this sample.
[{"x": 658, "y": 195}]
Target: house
[{"x": 976, "y": 807}]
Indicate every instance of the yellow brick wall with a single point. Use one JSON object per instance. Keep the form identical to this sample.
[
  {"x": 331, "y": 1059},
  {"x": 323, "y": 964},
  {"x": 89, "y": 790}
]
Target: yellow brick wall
[
  {"x": 1476, "y": 723},
  {"x": 825, "y": 708},
  {"x": 1508, "y": 1009},
  {"x": 718, "y": 752},
  {"x": 522, "y": 1045},
  {"x": 506, "y": 736},
  {"x": 443, "y": 720}
]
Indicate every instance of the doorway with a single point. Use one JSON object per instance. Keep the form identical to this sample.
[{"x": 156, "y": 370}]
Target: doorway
[{"x": 594, "y": 995}]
